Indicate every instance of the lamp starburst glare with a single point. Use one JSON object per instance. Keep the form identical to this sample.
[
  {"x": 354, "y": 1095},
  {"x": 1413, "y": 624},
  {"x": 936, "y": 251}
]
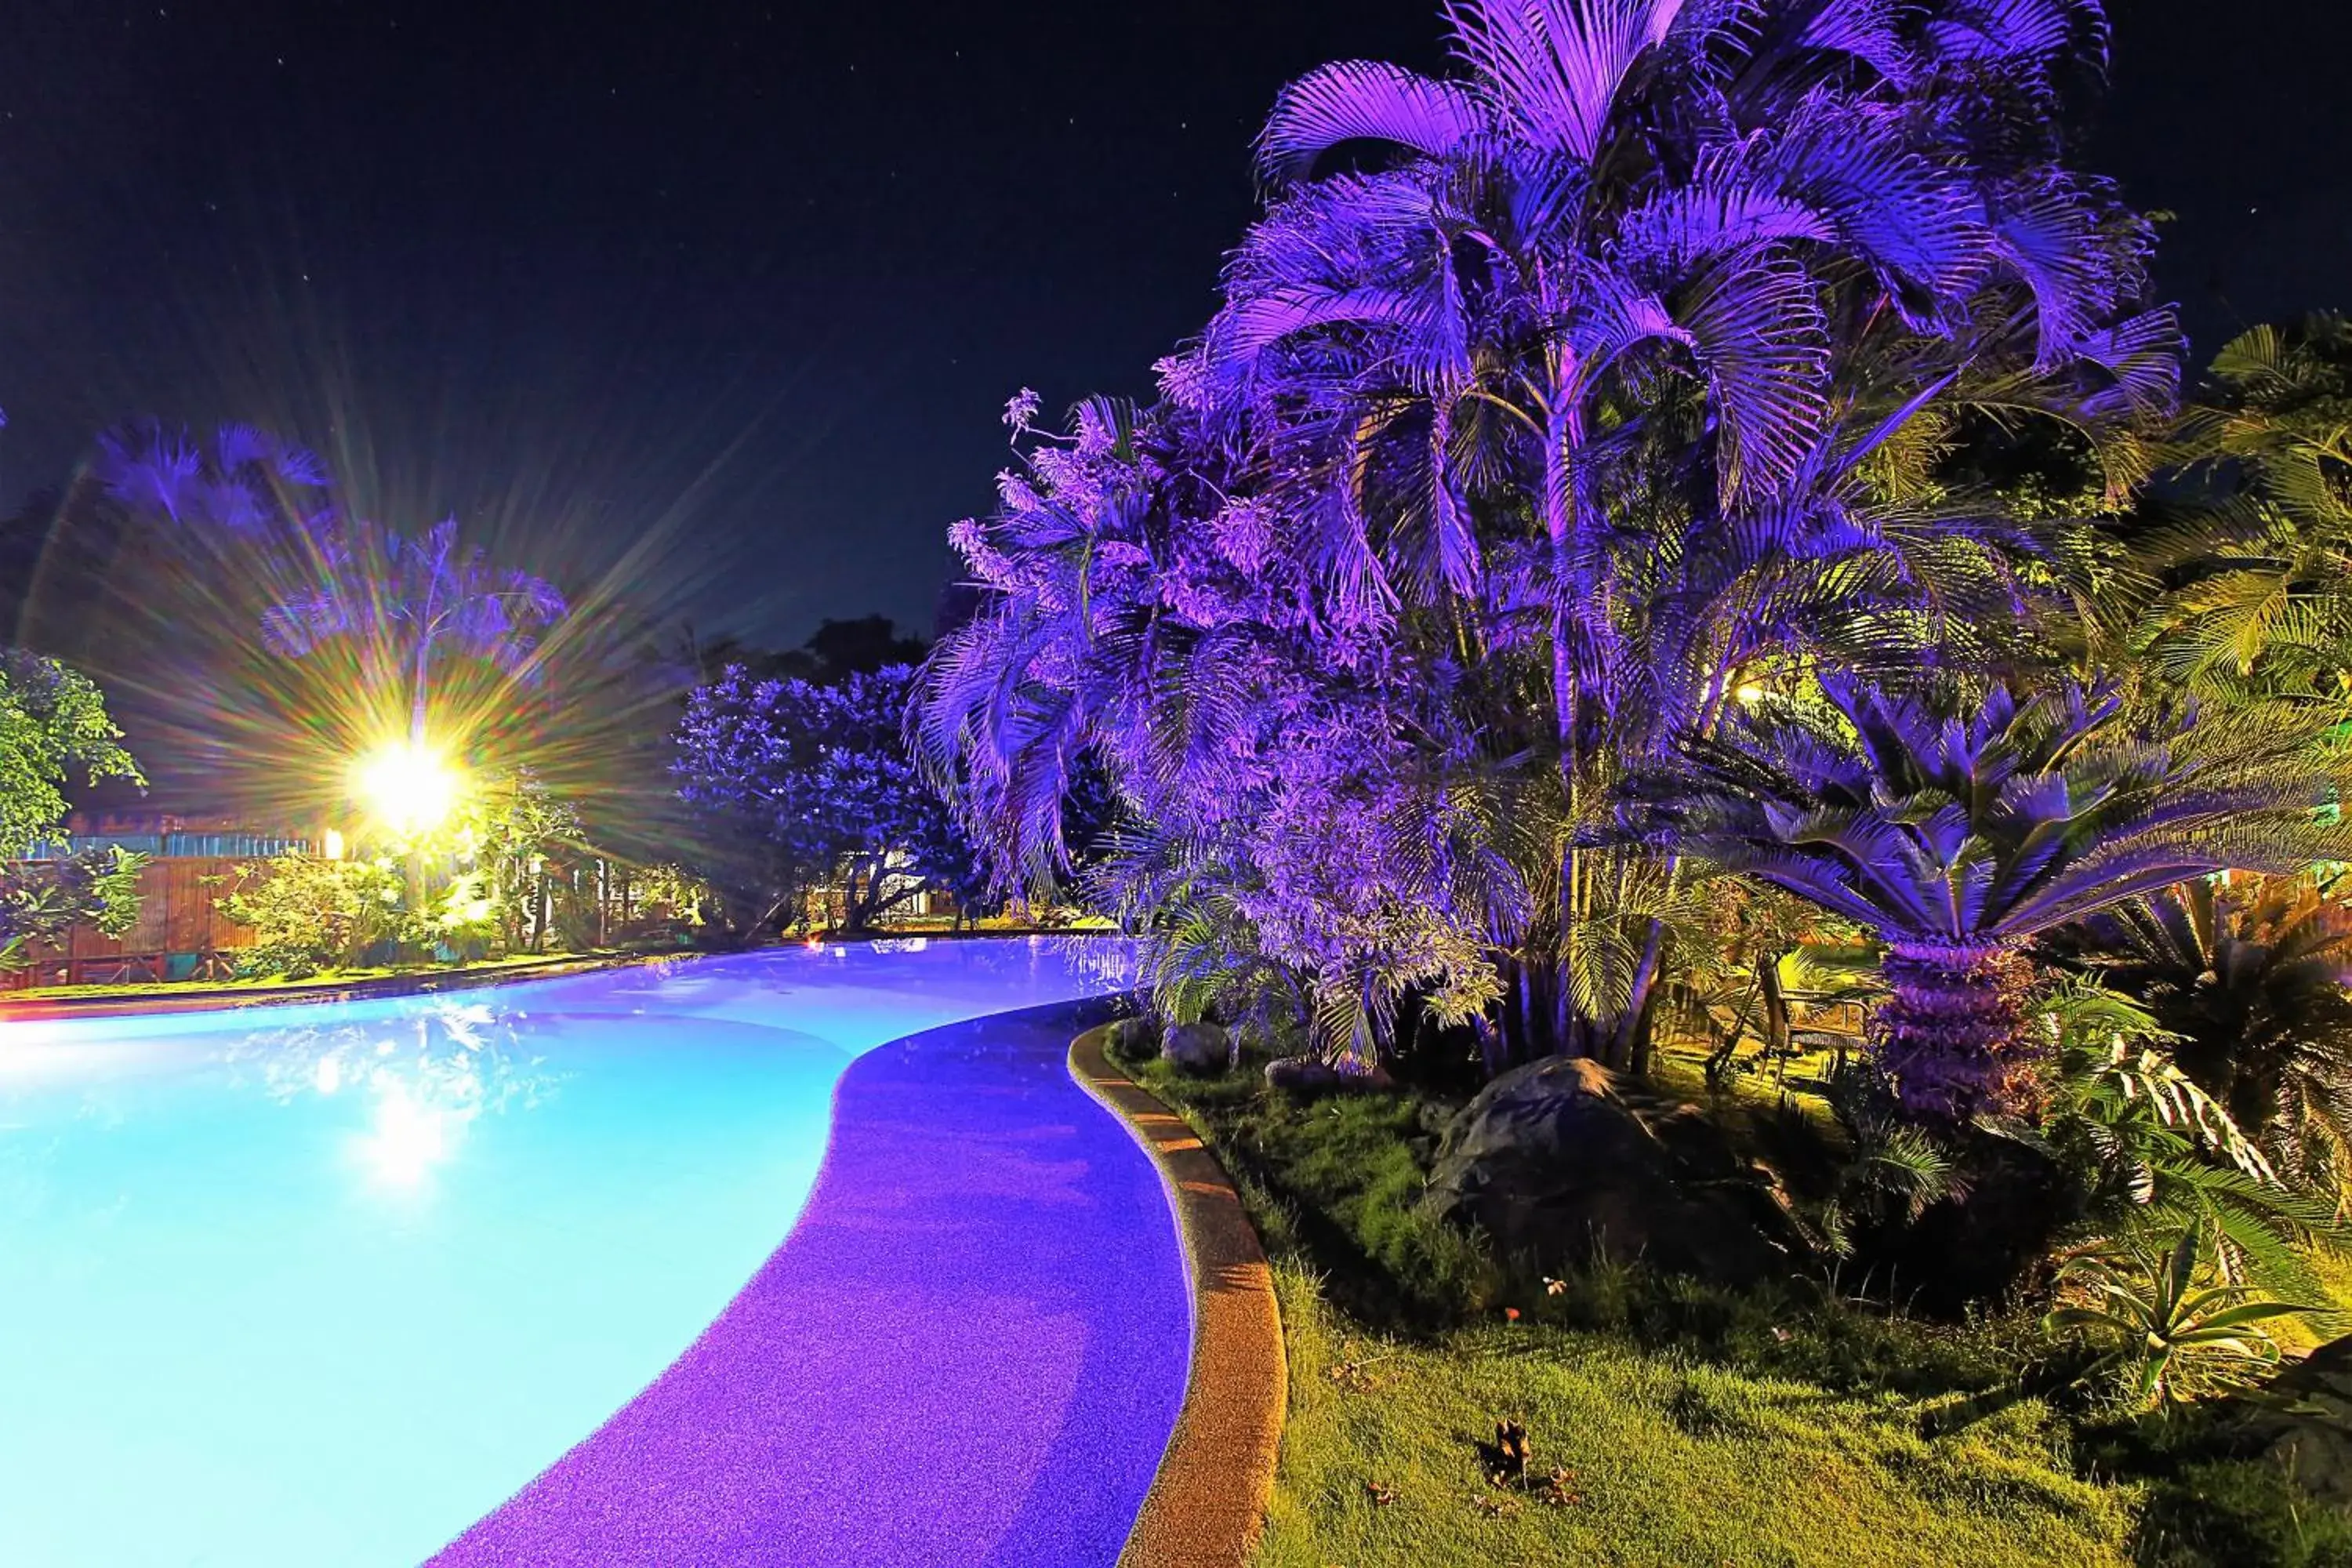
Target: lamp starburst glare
[{"x": 406, "y": 786}]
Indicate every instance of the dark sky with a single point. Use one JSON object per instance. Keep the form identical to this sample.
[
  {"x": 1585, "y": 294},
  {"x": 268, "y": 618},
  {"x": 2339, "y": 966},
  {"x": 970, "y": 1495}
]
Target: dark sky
[{"x": 743, "y": 286}]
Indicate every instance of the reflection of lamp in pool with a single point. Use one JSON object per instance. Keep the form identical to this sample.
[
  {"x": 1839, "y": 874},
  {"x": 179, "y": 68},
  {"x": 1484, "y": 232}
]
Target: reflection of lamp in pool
[{"x": 409, "y": 1137}]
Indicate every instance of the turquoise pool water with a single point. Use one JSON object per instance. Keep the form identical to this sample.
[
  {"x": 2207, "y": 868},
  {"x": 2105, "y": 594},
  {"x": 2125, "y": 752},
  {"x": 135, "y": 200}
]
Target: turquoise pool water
[{"x": 323, "y": 1285}]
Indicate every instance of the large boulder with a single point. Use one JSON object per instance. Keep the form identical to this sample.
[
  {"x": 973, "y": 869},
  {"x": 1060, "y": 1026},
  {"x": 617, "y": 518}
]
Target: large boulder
[
  {"x": 1311, "y": 1077},
  {"x": 1562, "y": 1157},
  {"x": 1197, "y": 1048},
  {"x": 1134, "y": 1040},
  {"x": 2307, "y": 1423}
]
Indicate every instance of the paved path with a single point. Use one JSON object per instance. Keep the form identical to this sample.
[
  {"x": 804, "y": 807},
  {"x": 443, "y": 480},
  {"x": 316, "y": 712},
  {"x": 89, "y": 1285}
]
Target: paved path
[{"x": 970, "y": 1352}]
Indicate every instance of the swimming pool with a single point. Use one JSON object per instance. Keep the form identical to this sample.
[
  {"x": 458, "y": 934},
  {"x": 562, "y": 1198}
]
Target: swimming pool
[{"x": 515, "y": 1276}]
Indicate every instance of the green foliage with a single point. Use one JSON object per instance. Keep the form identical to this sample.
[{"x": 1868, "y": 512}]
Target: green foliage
[
  {"x": 53, "y": 725},
  {"x": 1350, "y": 1170},
  {"x": 2238, "y": 1513},
  {"x": 2169, "y": 1328},
  {"x": 42, "y": 900},
  {"x": 310, "y": 914},
  {"x": 2242, "y": 561},
  {"x": 514, "y": 825},
  {"x": 2249, "y": 983},
  {"x": 2160, "y": 1156}
]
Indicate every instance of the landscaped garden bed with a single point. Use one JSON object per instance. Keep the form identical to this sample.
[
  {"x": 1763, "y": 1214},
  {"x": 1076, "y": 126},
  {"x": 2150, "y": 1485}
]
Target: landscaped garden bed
[{"x": 1672, "y": 1422}]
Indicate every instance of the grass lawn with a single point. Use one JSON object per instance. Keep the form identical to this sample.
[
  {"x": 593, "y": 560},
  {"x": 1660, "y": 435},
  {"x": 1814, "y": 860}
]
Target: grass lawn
[
  {"x": 1690, "y": 1424},
  {"x": 1662, "y": 1461}
]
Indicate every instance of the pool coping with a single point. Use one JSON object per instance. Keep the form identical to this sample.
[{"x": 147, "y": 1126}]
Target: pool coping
[
  {"x": 418, "y": 982},
  {"x": 1208, "y": 1501}
]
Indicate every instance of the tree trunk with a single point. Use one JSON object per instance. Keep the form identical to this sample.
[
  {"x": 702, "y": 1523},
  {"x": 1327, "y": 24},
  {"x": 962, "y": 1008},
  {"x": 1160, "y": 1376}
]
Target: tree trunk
[
  {"x": 1952, "y": 1038},
  {"x": 1778, "y": 1031}
]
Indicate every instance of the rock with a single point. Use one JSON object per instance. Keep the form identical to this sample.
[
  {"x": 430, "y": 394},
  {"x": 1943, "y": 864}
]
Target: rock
[
  {"x": 1562, "y": 1157},
  {"x": 1307, "y": 1077},
  {"x": 2308, "y": 1431},
  {"x": 1197, "y": 1047},
  {"x": 1133, "y": 1039}
]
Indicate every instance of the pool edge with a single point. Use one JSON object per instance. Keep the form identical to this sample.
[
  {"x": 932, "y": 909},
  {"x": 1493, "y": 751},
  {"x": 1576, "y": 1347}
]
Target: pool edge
[{"x": 1208, "y": 1498}]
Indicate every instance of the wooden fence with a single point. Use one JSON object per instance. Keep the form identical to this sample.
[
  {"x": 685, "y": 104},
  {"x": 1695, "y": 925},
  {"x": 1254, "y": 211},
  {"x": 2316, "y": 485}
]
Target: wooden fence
[{"x": 179, "y": 934}]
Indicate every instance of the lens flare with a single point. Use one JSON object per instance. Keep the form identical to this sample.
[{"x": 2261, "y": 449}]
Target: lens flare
[{"x": 407, "y": 787}]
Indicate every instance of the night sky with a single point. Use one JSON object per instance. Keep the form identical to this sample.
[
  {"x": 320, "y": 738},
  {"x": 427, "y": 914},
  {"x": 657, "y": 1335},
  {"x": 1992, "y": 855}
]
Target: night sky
[{"x": 725, "y": 298}]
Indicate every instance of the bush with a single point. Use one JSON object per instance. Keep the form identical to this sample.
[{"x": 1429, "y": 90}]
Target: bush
[
  {"x": 2241, "y": 1513},
  {"x": 308, "y": 914}
]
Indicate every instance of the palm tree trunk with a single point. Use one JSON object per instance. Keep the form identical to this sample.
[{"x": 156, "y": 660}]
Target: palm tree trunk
[{"x": 1951, "y": 1036}]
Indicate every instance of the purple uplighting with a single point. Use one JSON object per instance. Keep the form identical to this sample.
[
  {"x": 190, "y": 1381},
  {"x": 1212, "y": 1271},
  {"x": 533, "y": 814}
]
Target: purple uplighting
[{"x": 970, "y": 1350}]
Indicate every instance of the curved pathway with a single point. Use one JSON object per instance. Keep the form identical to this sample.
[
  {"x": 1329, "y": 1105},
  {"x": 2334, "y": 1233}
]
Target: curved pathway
[{"x": 967, "y": 1352}]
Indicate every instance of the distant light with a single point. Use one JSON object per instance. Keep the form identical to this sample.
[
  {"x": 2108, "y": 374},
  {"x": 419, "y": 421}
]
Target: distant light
[
  {"x": 331, "y": 845},
  {"x": 407, "y": 787},
  {"x": 1751, "y": 695}
]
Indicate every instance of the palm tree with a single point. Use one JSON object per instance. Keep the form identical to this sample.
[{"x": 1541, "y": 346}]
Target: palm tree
[
  {"x": 1616, "y": 377},
  {"x": 1956, "y": 824},
  {"x": 246, "y": 484},
  {"x": 2243, "y": 558},
  {"x": 2252, "y": 980},
  {"x": 410, "y": 599}
]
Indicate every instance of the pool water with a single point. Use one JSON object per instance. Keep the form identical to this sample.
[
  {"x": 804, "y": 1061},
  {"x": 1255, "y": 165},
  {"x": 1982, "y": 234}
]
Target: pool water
[{"x": 328, "y": 1285}]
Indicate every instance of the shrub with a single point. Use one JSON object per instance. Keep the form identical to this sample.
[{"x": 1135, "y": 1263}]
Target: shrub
[{"x": 308, "y": 914}]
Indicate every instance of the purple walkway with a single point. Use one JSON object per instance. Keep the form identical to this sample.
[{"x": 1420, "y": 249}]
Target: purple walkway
[{"x": 970, "y": 1351}]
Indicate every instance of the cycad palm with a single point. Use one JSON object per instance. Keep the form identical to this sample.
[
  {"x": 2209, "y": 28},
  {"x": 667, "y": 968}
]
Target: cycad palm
[
  {"x": 1957, "y": 827},
  {"x": 2251, "y": 982}
]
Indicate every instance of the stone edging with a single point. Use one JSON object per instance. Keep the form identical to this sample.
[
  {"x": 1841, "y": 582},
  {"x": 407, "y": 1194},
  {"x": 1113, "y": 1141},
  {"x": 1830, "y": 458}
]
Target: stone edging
[
  {"x": 1208, "y": 1501},
  {"x": 416, "y": 983}
]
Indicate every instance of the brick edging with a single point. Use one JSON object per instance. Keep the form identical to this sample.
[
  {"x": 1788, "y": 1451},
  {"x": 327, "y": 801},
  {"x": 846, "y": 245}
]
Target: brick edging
[{"x": 1208, "y": 1501}]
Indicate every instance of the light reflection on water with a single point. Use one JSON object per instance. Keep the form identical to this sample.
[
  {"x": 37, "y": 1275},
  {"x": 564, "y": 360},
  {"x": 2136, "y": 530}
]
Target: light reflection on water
[
  {"x": 317, "y": 1285},
  {"x": 427, "y": 1076}
]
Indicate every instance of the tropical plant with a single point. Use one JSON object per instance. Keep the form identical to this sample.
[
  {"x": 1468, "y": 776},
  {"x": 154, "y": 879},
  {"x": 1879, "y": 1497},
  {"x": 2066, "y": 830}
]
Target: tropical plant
[
  {"x": 408, "y": 600},
  {"x": 308, "y": 913},
  {"x": 2169, "y": 1334},
  {"x": 2155, "y": 1154},
  {"x": 43, "y": 901},
  {"x": 54, "y": 728},
  {"x": 2249, "y": 980},
  {"x": 1957, "y": 823},
  {"x": 248, "y": 483},
  {"x": 1615, "y": 381},
  {"x": 2237, "y": 571},
  {"x": 515, "y": 824}
]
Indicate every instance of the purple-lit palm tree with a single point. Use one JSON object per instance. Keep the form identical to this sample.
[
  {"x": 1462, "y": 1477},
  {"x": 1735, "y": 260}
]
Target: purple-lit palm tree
[
  {"x": 1956, "y": 827},
  {"x": 409, "y": 600},
  {"x": 1617, "y": 375},
  {"x": 246, "y": 484}
]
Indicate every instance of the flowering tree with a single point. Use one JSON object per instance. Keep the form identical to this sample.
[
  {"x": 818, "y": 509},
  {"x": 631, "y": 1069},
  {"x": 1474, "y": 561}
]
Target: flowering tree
[
  {"x": 808, "y": 785},
  {"x": 1619, "y": 383}
]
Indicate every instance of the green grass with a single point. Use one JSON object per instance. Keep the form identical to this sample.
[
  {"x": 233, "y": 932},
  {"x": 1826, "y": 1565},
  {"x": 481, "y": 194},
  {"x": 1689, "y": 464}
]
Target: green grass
[
  {"x": 1669, "y": 1462},
  {"x": 1703, "y": 1425}
]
